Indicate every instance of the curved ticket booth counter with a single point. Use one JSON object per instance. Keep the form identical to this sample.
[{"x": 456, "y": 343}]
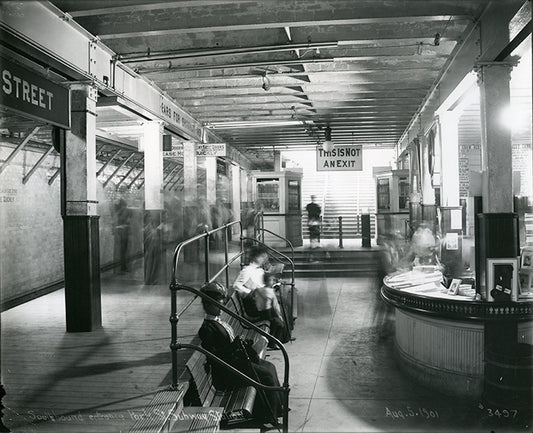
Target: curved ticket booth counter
[{"x": 440, "y": 338}]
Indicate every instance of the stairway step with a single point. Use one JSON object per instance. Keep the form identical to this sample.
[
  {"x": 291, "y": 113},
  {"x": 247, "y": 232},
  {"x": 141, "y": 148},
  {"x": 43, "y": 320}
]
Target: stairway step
[
  {"x": 319, "y": 264},
  {"x": 306, "y": 273}
]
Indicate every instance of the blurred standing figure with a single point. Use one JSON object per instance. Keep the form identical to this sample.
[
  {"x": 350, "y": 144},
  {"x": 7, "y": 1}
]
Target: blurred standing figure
[
  {"x": 314, "y": 212},
  {"x": 122, "y": 230}
]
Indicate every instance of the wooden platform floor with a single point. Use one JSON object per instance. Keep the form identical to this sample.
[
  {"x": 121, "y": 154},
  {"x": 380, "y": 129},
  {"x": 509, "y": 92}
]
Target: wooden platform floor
[{"x": 344, "y": 376}]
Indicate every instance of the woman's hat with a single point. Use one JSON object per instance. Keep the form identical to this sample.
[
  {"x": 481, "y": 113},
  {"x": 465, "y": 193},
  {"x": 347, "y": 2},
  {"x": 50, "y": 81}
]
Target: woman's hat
[{"x": 214, "y": 290}]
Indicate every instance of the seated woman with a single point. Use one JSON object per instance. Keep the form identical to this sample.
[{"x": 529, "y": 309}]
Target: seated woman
[
  {"x": 218, "y": 337},
  {"x": 250, "y": 278}
]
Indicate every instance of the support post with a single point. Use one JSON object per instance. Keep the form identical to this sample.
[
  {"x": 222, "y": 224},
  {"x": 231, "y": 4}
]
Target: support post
[
  {"x": 190, "y": 198},
  {"x": 449, "y": 140},
  {"x": 496, "y": 146},
  {"x": 155, "y": 262},
  {"x": 3, "y": 427},
  {"x": 340, "y": 232},
  {"x": 79, "y": 211},
  {"x": 365, "y": 229},
  {"x": 429, "y": 211},
  {"x": 236, "y": 196}
]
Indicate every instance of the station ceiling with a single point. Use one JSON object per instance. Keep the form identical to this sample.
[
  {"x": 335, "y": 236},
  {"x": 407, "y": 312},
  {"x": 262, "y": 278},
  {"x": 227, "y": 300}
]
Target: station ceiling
[{"x": 274, "y": 73}]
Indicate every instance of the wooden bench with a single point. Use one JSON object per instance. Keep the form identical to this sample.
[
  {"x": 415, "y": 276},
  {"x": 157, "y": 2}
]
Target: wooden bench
[{"x": 238, "y": 403}]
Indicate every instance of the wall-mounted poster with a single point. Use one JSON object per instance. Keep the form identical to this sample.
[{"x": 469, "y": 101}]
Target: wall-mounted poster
[{"x": 502, "y": 280}]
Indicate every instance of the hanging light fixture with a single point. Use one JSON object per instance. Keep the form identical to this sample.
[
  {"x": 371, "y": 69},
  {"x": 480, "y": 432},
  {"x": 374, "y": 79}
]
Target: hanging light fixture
[
  {"x": 266, "y": 83},
  {"x": 328, "y": 144}
]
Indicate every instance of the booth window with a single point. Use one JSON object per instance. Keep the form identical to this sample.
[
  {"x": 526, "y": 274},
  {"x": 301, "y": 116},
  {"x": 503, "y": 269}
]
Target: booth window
[
  {"x": 268, "y": 194},
  {"x": 383, "y": 194},
  {"x": 294, "y": 195}
]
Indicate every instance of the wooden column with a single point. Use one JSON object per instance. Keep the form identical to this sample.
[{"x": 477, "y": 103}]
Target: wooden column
[
  {"x": 211, "y": 180},
  {"x": 428, "y": 193},
  {"x": 496, "y": 147},
  {"x": 449, "y": 173},
  {"x": 190, "y": 199},
  {"x": 79, "y": 211},
  {"x": 154, "y": 241},
  {"x": 236, "y": 195}
]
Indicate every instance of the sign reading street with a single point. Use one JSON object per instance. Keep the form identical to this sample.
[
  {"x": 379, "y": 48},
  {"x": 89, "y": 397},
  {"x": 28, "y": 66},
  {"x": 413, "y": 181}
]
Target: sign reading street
[
  {"x": 341, "y": 158},
  {"x": 28, "y": 93}
]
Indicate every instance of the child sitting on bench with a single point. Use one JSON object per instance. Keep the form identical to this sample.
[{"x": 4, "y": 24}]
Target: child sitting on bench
[{"x": 268, "y": 308}]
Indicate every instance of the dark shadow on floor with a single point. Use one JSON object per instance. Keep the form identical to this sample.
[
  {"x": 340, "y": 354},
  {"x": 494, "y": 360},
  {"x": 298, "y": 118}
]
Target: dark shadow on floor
[{"x": 364, "y": 373}]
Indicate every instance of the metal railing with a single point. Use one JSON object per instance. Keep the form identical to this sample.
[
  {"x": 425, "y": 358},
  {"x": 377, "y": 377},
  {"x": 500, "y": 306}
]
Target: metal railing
[
  {"x": 176, "y": 285},
  {"x": 259, "y": 224},
  {"x": 337, "y": 225}
]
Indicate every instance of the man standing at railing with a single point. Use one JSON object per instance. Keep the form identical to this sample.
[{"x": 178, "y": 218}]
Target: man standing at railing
[{"x": 314, "y": 212}]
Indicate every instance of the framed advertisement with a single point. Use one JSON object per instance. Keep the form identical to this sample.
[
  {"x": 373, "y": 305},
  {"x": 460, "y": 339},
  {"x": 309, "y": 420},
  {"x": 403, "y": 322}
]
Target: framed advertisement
[
  {"x": 502, "y": 280},
  {"x": 454, "y": 287},
  {"x": 526, "y": 258}
]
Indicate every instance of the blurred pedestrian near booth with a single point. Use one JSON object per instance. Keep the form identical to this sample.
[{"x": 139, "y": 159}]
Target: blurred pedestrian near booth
[
  {"x": 314, "y": 216},
  {"x": 122, "y": 233}
]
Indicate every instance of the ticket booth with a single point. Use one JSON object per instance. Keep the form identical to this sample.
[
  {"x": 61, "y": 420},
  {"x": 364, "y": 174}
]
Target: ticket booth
[
  {"x": 278, "y": 194},
  {"x": 392, "y": 194}
]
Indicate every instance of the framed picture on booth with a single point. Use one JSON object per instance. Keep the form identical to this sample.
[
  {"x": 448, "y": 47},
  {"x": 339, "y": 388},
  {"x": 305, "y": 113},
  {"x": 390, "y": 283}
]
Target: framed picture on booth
[
  {"x": 502, "y": 280},
  {"x": 526, "y": 258},
  {"x": 454, "y": 287},
  {"x": 525, "y": 281}
]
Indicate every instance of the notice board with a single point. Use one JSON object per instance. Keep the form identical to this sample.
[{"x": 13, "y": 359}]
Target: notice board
[{"x": 341, "y": 158}]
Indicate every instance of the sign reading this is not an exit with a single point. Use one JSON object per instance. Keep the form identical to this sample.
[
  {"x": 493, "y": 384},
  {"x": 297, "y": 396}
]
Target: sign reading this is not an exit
[{"x": 341, "y": 158}]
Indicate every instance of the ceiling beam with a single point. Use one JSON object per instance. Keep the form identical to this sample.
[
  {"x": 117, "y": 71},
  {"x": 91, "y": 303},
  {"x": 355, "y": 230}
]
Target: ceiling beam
[
  {"x": 108, "y": 33},
  {"x": 429, "y": 64},
  {"x": 281, "y": 62},
  {"x": 80, "y": 12},
  {"x": 214, "y": 52}
]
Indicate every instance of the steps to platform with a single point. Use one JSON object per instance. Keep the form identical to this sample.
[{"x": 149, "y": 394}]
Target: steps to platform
[
  {"x": 345, "y": 194},
  {"x": 325, "y": 262}
]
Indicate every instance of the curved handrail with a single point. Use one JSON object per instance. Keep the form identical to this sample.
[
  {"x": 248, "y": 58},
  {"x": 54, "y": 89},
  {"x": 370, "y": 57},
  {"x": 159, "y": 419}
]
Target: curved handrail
[
  {"x": 259, "y": 217},
  {"x": 175, "y": 316},
  {"x": 204, "y": 235},
  {"x": 285, "y": 389},
  {"x": 241, "y": 319},
  {"x": 243, "y": 376},
  {"x": 289, "y": 243}
]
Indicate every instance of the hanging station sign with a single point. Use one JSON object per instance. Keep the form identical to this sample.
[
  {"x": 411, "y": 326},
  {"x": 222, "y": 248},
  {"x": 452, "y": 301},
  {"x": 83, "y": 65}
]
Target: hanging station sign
[
  {"x": 29, "y": 94},
  {"x": 341, "y": 158},
  {"x": 176, "y": 151},
  {"x": 202, "y": 149},
  {"x": 211, "y": 149}
]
